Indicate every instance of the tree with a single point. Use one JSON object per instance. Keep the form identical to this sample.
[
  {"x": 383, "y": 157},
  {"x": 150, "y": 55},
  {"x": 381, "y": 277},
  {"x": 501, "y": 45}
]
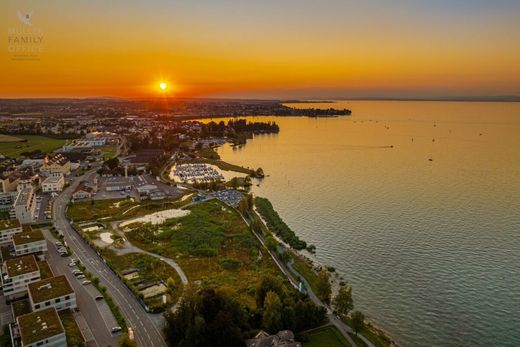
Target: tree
[
  {"x": 126, "y": 342},
  {"x": 323, "y": 288},
  {"x": 268, "y": 283},
  {"x": 343, "y": 301},
  {"x": 270, "y": 243},
  {"x": 358, "y": 321},
  {"x": 272, "y": 315}
]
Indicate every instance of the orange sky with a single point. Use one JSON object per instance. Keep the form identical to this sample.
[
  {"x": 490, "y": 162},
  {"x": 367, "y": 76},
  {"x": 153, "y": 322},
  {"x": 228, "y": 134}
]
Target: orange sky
[{"x": 250, "y": 49}]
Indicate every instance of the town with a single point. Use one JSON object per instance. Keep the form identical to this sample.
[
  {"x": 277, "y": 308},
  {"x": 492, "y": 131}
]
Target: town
[{"x": 101, "y": 230}]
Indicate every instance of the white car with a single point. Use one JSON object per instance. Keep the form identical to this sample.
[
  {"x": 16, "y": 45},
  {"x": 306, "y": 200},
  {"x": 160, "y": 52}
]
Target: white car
[
  {"x": 86, "y": 282},
  {"x": 80, "y": 277},
  {"x": 72, "y": 264}
]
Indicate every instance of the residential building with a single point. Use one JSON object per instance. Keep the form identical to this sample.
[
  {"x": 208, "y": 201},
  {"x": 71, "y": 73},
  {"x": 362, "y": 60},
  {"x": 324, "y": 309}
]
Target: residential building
[
  {"x": 28, "y": 242},
  {"x": 17, "y": 273},
  {"x": 54, "y": 183},
  {"x": 83, "y": 191},
  {"x": 9, "y": 227},
  {"x": 284, "y": 338},
  {"x": 52, "y": 292},
  {"x": 9, "y": 183},
  {"x": 25, "y": 205},
  {"x": 42, "y": 329},
  {"x": 56, "y": 165},
  {"x": 7, "y": 202}
]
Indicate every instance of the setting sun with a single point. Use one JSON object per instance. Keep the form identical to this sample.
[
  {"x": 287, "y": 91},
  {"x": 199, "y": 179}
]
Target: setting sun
[{"x": 162, "y": 85}]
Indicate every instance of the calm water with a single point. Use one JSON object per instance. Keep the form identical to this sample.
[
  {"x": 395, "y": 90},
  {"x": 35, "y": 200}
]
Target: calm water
[{"x": 432, "y": 248}]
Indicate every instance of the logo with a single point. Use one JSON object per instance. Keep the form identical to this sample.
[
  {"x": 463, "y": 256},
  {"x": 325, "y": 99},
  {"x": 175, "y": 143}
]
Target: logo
[
  {"x": 25, "y": 18},
  {"x": 25, "y": 38}
]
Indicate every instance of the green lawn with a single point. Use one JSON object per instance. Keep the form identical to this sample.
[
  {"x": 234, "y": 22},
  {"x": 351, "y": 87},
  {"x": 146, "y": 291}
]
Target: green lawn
[
  {"x": 33, "y": 143},
  {"x": 72, "y": 331},
  {"x": 108, "y": 151},
  {"x": 213, "y": 246},
  {"x": 305, "y": 270},
  {"x": 328, "y": 336}
]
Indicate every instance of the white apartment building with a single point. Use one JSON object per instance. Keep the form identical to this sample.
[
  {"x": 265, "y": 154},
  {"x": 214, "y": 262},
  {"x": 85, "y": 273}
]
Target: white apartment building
[
  {"x": 54, "y": 183},
  {"x": 28, "y": 242},
  {"x": 8, "y": 228},
  {"x": 42, "y": 329},
  {"x": 52, "y": 292},
  {"x": 17, "y": 274},
  {"x": 25, "y": 205}
]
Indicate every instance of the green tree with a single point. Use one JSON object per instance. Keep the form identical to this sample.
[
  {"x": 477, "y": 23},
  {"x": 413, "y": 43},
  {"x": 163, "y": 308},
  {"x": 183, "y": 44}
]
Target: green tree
[
  {"x": 323, "y": 288},
  {"x": 358, "y": 321},
  {"x": 270, "y": 243},
  {"x": 126, "y": 342},
  {"x": 272, "y": 315},
  {"x": 343, "y": 302},
  {"x": 268, "y": 283}
]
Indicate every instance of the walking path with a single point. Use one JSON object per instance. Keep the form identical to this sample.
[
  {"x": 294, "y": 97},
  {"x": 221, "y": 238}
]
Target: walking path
[{"x": 287, "y": 269}]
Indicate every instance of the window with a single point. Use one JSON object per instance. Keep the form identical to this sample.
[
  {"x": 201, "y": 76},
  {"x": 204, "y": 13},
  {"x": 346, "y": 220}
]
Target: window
[
  {"x": 37, "y": 306},
  {"x": 47, "y": 303}
]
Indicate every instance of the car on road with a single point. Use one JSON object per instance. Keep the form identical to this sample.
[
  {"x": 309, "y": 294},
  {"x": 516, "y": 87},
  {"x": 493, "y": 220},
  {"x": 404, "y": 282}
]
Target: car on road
[
  {"x": 86, "y": 282},
  {"x": 116, "y": 330},
  {"x": 99, "y": 297}
]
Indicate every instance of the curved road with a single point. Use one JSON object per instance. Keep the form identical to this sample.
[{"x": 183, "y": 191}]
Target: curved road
[{"x": 145, "y": 331}]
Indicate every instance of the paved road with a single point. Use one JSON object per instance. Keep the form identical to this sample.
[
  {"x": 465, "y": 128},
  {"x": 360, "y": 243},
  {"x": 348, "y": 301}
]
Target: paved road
[
  {"x": 146, "y": 332},
  {"x": 88, "y": 306}
]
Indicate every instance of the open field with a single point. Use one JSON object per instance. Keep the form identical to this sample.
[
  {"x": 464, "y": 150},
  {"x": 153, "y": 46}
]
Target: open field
[
  {"x": 108, "y": 151},
  {"x": 31, "y": 143},
  {"x": 117, "y": 209},
  {"x": 9, "y": 138},
  {"x": 213, "y": 246},
  {"x": 328, "y": 336}
]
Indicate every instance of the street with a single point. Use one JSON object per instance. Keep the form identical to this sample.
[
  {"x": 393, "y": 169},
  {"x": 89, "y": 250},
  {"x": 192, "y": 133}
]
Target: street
[{"x": 145, "y": 331}]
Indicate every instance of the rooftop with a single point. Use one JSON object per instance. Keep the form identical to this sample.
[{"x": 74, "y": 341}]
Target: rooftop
[
  {"x": 27, "y": 237},
  {"x": 23, "y": 196},
  {"x": 39, "y": 325},
  {"x": 9, "y": 224},
  {"x": 52, "y": 179},
  {"x": 21, "y": 265},
  {"x": 58, "y": 159},
  {"x": 50, "y": 288}
]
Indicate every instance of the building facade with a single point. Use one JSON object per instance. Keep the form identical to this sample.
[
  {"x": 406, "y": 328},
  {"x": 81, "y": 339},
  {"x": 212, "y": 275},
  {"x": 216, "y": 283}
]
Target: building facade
[
  {"x": 53, "y": 292},
  {"x": 17, "y": 274},
  {"x": 54, "y": 183},
  {"x": 25, "y": 205},
  {"x": 7, "y": 229},
  {"x": 29, "y": 242}
]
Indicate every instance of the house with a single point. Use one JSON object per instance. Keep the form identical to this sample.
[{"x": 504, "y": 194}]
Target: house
[
  {"x": 9, "y": 183},
  {"x": 9, "y": 227},
  {"x": 52, "y": 292},
  {"x": 56, "y": 165},
  {"x": 42, "y": 329},
  {"x": 54, "y": 183},
  {"x": 17, "y": 273},
  {"x": 116, "y": 184},
  {"x": 284, "y": 338},
  {"x": 25, "y": 205},
  {"x": 28, "y": 242},
  {"x": 83, "y": 191}
]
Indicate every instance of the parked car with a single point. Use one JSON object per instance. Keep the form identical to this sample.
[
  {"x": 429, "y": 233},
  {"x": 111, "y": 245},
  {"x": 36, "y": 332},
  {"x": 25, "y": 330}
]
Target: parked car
[
  {"x": 72, "y": 264},
  {"x": 80, "y": 277},
  {"x": 99, "y": 297},
  {"x": 86, "y": 282},
  {"x": 77, "y": 272},
  {"x": 116, "y": 330},
  {"x": 58, "y": 244}
]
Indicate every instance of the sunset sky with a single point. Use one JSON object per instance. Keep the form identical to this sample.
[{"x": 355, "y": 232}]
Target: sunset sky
[{"x": 265, "y": 49}]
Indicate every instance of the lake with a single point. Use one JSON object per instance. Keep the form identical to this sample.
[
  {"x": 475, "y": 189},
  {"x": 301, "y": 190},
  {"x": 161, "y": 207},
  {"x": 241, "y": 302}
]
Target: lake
[{"x": 416, "y": 204}]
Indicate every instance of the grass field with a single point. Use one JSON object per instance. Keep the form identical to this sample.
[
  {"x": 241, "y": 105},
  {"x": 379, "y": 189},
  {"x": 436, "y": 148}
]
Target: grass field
[
  {"x": 32, "y": 143},
  {"x": 108, "y": 151},
  {"x": 305, "y": 270},
  {"x": 213, "y": 246},
  {"x": 117, "y": 209},
  {"x": 328, "y": 336}
]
